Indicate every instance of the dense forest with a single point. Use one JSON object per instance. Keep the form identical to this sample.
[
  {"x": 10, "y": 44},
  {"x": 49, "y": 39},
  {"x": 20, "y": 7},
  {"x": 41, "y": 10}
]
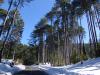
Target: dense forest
[{"x": 58, "y": 38}]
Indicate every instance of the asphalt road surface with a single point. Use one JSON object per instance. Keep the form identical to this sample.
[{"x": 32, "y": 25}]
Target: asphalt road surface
[{"x": 32, "y": 72}]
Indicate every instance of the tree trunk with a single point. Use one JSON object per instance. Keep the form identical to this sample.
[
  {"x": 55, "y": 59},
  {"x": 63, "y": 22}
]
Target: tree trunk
[
  {"x": 12, "y": 23},
  {"x": 6, "y": 16}
]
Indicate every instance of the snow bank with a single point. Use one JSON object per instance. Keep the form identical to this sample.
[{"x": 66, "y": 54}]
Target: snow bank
[
  {"x": 20, "y": 66},
  {"x": 6, "y": 69},
  {"x": 7, "y": 61},
  {"x": 45, "y": 64},
  {"x": 89, "y": 67}
]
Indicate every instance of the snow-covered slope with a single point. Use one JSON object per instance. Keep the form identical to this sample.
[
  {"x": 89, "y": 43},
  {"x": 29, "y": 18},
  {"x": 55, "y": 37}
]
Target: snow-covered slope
[
  {"x": 6, "y": 69},
  {"x": 89, "y": 67}
]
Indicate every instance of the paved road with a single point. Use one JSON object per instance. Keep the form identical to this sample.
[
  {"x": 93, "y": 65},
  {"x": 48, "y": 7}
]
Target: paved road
[{"x": 34, "y": 72}]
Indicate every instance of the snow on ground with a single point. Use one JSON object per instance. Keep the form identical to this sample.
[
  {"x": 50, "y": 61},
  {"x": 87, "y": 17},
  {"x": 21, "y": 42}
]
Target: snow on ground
[
  {"x": 5, "y": 67},
  {"x": 45, "y": 65},
  {"x": 89, "y": 67},
  {"x": 20, "y": 66}
]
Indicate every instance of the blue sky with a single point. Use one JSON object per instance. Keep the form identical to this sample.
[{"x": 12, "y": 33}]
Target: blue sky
[{"x": 32, "y": 13}]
